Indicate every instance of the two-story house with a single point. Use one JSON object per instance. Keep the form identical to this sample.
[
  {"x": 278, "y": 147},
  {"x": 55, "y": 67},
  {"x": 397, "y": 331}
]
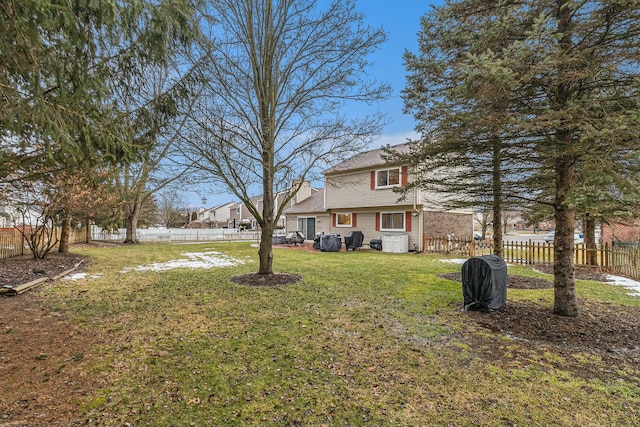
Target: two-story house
[
  {"x": 240, "y": 216},
  {"x": 359, "y": 195},
  {"x": 215, "y": 217}
]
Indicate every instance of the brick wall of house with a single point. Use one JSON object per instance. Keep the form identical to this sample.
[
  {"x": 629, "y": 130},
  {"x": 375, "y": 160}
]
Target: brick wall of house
[
  {"x": 446, "y": 223},
  {"x": 620, "y": 232}
]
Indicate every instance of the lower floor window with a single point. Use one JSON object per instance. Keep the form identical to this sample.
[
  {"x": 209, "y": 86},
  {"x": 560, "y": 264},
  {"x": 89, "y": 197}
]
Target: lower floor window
[
  {"x": 343, "y": 220},
  {"x": 392, "y": 221}
]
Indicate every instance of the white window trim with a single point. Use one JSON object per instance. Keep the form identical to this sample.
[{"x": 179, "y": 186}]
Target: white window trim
[
  {"x": 381, "y": 187},
  {"x": 404, "y": 221},
  {"x": 344, "y": 225}
]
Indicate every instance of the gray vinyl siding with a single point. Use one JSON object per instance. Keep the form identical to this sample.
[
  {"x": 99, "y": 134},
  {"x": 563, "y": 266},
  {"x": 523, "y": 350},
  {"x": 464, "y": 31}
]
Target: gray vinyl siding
[
  {"x": 366, "y": 222},
  {"x": 323, "y": 222},
  {"x": 353, "y": 190}
]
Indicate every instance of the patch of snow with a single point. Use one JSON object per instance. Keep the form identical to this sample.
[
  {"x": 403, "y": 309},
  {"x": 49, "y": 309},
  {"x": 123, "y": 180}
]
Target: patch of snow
[
  {"x": 186, "y": 243},
  {"x": 455, "y": 260},
  {"x": 626, "y": 282},
  {"x": 195, "y": 260},
  {"x": 80, "y": 276}
]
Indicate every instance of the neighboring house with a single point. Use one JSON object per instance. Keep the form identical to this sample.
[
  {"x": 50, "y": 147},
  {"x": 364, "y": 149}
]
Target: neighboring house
[
  {"x": 241, "y": 217},
  {"x": 234, "y": 215},
  {"x": 5, "y": 217},
  {"x": 215, "y": 217},
  {"x": 621, "y": 232},
  {"x": 12, "y": 217},
  {"x": 309, "y": 216},
  {"x": 359, "y": 195}
]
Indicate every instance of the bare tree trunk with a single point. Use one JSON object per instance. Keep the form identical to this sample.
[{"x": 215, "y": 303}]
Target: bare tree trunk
[
  {"x": 564, "y": 283},
  {"x": 87, "y": 234},
  {"x": 497, "y": 197},
  {"x": 266, "y": 249},
  {"x": 589, "y": 231},
  {"x": 131, "y": 215},
  {"x": 482, "y": 218},
  {"x": 266, "y": 244},
  {"x": 498, "y": 244},
  {"x": 63, "y": 246}
]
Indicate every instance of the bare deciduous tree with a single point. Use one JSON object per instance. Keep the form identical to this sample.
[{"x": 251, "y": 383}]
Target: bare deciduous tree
[
  {"x": 37, "y": 214},
  {"x": 279, "y": 75},
  {"x": 169, "y": 208},
  {"x": 157, "y": 111}
]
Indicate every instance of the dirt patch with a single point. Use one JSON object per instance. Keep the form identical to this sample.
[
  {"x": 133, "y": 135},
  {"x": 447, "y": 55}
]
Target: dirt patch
[
  {"x": 23, "y": 269},
  {"x": 43, "y": 364},
  {"x": 42, "y": 353},
  {"x": 610, "y": 333},
  {"x": 601, "y": 327},
  {"x": 275, "y": 279}
]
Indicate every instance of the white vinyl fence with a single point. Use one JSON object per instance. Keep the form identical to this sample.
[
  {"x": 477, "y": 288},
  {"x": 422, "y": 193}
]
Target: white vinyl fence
[{"x": 175, "y": 235}]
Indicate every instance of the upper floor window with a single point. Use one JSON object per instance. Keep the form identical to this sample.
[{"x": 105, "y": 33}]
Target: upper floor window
[{"x": 388, "y": 178}]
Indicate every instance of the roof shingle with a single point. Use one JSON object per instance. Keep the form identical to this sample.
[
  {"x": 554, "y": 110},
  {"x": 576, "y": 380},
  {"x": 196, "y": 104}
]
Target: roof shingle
[{"x": 365, "y": 160}]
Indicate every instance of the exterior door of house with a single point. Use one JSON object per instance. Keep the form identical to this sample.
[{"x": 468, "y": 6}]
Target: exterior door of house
[{"x": 308, "y": 227}]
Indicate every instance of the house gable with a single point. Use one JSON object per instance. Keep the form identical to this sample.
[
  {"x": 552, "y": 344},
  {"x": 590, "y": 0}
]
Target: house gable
[{"x": 366, "y": 181}]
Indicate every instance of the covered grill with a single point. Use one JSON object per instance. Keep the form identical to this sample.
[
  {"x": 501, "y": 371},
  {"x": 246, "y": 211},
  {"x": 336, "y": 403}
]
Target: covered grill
[
  {"x": 353, "y": 240},
  {"x": 330, "y": 242},
  {"x": 376, "y": 244},
  {"x": 484, "y": 283}
]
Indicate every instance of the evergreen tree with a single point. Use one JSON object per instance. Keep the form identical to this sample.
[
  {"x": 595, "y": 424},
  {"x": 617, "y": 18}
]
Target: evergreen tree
[
  {"x": 562, "y": 101},
  {"x": 460, "y": 89},
  {"x": 60, "y": 61}
]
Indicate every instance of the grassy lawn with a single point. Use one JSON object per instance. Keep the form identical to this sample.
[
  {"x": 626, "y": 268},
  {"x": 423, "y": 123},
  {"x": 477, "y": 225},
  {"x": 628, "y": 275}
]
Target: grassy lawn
[{"x": 365, "y": 339}]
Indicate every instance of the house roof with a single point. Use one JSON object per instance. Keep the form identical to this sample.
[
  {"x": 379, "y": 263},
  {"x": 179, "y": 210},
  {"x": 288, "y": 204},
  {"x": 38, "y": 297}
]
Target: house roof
[
  {"x": 224, "y": 205},
  {"x": 314, "y": 203},
  {"x": 365, "y": 160}
]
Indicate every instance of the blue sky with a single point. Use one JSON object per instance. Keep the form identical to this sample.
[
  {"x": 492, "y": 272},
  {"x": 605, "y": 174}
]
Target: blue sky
[{"x": 401, "y": 21}]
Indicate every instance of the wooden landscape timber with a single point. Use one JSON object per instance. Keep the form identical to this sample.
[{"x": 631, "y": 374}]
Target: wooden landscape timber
[{"x": 20, "y": 289}]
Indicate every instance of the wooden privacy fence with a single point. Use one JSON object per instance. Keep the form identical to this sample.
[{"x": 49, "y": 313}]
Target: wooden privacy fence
[
  {"x": 12, "y": 243},
  {"x": 621, "y": 257},
  {"x": 625, "y": 258}
]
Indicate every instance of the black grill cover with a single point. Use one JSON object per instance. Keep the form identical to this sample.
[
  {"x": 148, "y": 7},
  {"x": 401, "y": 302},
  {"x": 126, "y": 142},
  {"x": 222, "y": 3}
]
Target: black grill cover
[
  {"x": 330, "y": 242},
  {"x": 484, "y": 283},
  {"x": 353, "y": 240}
]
